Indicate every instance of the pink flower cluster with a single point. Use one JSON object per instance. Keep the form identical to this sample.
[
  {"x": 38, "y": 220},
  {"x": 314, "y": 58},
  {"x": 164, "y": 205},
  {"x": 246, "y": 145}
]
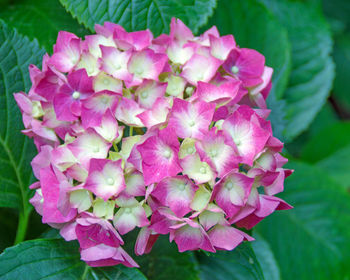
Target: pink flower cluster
[{"x": 166, "y": 134}]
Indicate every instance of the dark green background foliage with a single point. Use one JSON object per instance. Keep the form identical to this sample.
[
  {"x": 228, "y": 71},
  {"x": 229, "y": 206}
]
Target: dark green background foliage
[{"x": 307, "y": 42}]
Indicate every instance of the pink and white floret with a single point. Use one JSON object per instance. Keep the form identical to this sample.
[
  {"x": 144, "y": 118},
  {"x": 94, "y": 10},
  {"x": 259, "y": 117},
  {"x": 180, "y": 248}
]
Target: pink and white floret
[{"x": 168, "y": 135}]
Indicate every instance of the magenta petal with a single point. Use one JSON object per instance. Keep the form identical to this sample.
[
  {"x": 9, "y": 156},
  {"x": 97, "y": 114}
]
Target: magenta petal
[
  {"x": 145, "y": 241},
  {"x": 160, "y": 156},
  {"x": 232, "y": 192},
  {"x": 177, "y": 193},
  {"x": 225, "y": 237},
  {"x": 189, "y": 238},
  {"x": 105, "y": 178},
  {"x": 50, "y": 186}
]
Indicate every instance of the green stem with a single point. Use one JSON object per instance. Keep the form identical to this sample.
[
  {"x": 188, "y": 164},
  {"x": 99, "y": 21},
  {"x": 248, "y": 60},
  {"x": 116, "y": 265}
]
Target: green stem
[
  {"x": 115, "y": 147},
  {"x": 131, "y": 130},
  {"x": 22, "y": 226},
  {"x": 86, "y": 270}
]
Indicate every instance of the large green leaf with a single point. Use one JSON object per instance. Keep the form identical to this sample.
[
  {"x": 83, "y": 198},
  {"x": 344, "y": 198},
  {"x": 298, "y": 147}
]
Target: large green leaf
[
  {"x": 330, "y": 150},
  {"x": 326, "y": 142},
  {"x": 55, "y": 259},
  {"x": 165, "y": 262},
  {"x": 141, "y": 14},
  {"x": 311, "y": 241},
  {"x": 40, "y": 19},
  {"x": 265, "y": 258},
  {"x": 312, "y": 67},
  {"x": 326, "y": 117},
  {"x": 342, "y": 82},
  {"x": 337, "y": 166},
  {"x": 239, "y": 264},
  {"x": 338, "y": 9},
  {"x": 7, "y": 227},
  {"x": 16, "y": 150}
]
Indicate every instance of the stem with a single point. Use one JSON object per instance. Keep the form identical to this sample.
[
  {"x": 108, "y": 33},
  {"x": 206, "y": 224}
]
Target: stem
[
  {"x": 86, "y": 270},
  {"x": 115, "y": 147},
  {"x": 211, "y": 125},
  {"x": 22, "y": 226},
  {"x": 131, "y": 130}
]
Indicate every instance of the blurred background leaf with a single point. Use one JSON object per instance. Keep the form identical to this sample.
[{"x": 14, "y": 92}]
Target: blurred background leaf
[
  {"x": 330, "y": 150},
  {"x": 311, "y": 240},
  {"x": 239, "y": 264},
  {"x": 41, "y": 20},
  {"x": 56, "y": 259},
  {"x": 16, "y": 150},
  {"x": 165, "y": 261},
  {"x": 141, "y": 14},
  {"x": 341, "y": 88},
  {"x": 266, "y": 258},
  {"x": 312, "y": 66}
]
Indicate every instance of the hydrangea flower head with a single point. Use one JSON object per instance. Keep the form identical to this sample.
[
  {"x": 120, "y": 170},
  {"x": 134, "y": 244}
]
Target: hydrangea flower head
[{"x": 163, "y": 135}]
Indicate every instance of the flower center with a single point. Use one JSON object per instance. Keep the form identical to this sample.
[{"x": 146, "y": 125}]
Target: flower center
[
  {"x": 106, "y": 81},
  {"x": 105, "y": 100},
  {"x": 138, "y": 71},
  {"x": 167, "y": 153},
  {"x": 235, "y": 69},
  {"x": 76, "y": 94},
  {"x": 213, "y": 153},
  {"x": 144, "y": 94},
  {"x": 128, "y": 210},
  {"x": 237, "y": 142},
  {"x": 190, "y": 150},
  {"x": 182, "y": 187},
  {"x": 203, "y": 170},
  {"x": 96, "y": 149},
  {"x": 110, "y": 181},
  {"x": 229, "y": 185},
  {"x": 191, "y": 123},
  {"x": 200, "y": 76}
]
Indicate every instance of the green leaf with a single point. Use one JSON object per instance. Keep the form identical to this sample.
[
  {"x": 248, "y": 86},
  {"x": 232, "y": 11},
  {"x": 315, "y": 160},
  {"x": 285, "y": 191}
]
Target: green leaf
[
  {"x": 56, "y": 259},
  {"x": 239, "y": 264},
  {"x": 7, "y": 227},
  {"x": 342, "y": 82},
  {"x": 338, "y": 9},
  {"x": 141, "y": 14},
  {"x": 165, "y": 262},
  {"x": 41, "y": 19},
  {"x": 338, "y": 166},
  {"x": 327, "y": 142},
  {"x": 312, "y": 67},
  {"x": 311, "y": 241},
  {"x": 265, "y": 258},
  {"x": 16, "y": 150},
  {"x": 326, "y": 117},
  {"x": 330, "y": 150}
]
